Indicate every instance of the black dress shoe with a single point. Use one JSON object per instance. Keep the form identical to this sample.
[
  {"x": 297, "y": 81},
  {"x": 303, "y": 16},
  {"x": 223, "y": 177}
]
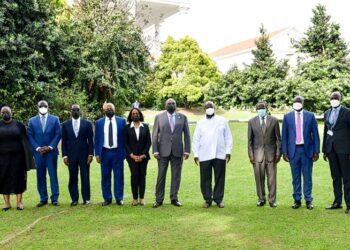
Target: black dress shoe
[
  {"x": 309, "y": 205},
  {"x": 86, "y": 203},
  {"x": 20, "y": 208},
  {"x": 74, "y": 203},
  {"x": 55, "y": 203},
  {"x": 41, "y": 204},
  {"x": 6, "y": 209},
  {"x": 260, "y": 203},
  {"x": 176, "y": 203},
  {"x": 157, "y": 204},
  {"x": 106, "y": 203},
  {"x": 335, "y": 205},
  {"x": 220, "y": 204},
  {"x": 296, "y": 205},
  {"x": 120, "y": 203},
  {"x": 273, "y": 204},
  {"x": 347, "y": 211}
]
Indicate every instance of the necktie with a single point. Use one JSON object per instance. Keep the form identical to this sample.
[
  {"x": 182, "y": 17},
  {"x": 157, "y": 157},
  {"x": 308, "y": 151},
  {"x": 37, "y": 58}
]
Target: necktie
[
  {"x": 76, "y": 131},
  {"x": 263, "y": 124},
  {"x": 43, "y": 123},
  {"x": 110, "y": 133},
  {"x": 298, "y": 128},
  {"x": 172, "y": 124},
  {"x": 332, "y": 117}
]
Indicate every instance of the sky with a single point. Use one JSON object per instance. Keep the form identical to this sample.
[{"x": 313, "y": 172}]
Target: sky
[{"x": 218, "y": 23}]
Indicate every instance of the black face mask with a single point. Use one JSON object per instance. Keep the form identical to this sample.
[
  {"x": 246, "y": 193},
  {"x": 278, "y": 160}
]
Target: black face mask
[
  {"x": 75, "y": 114},
  {"x": 170, "y": 109},
  {"x": 110, "y": 113},
  {"x": 6, "y": 117},
  {"x": 135, "y": 118}
]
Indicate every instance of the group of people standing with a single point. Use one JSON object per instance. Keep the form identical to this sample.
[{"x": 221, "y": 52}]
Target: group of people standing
[
  {"x": 116, "y": 139},
  {"x": 300, "y": 146}
]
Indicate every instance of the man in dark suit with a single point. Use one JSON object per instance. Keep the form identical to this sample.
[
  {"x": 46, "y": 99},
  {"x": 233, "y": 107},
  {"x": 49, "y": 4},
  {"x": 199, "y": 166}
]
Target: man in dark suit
[
  {"x": 167, "y": 146},
  {"x": 44, "y": 133},
  {"x": 264, "y": 150},
  {"x": 78, "y": 151},
  {"x": 110, "y": 152},
  {"x": 336, "y": 148},
  {"x": 300, "y": 147}
]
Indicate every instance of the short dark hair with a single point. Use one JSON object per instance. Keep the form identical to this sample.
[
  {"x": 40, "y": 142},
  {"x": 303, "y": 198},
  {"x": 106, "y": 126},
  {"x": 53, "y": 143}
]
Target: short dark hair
[{"x": 140, "y": 113}]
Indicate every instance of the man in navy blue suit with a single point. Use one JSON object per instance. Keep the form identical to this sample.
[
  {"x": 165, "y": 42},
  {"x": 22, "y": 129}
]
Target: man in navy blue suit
[
  {"x": 110, "y": 152},
  {"x": 300, "y": 147},
  {"x": 77, "y": 152},
  {"x": 44, "y": 133}
]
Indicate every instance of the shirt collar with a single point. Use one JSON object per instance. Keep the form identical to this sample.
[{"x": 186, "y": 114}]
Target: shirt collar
[
  {"x": 337, "y": 108},
  {"x": 112, "y": 118},
  {"x": 45, "y": 116},
  {"x": 132, "y": 124},
  {"x": 171, "y": 115},
  {"x": 78, "y": 120}
]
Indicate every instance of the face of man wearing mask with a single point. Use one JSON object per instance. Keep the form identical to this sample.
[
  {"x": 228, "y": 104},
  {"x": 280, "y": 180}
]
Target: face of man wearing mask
[
  {"x": 170, "y": 106},
  {"x": 43, "y": 107},
  {"x": 109, "y": 111},
  {"x": 6, "y": 114},
  {"x": 75, "y": 112},
  {"x": 209, "y": 109},
  {"x": 335, "y": 99},
  {"x": 298, "y": 103}
]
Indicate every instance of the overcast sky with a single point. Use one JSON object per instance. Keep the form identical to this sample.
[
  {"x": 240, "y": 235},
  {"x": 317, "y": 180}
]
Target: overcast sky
[{"x": 218, "y": 23}]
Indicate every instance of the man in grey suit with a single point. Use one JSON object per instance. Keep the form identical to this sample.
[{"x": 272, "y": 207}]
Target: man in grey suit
[
  {"x": 264, "y": 150},
  {"x": 167, "y": 146}
]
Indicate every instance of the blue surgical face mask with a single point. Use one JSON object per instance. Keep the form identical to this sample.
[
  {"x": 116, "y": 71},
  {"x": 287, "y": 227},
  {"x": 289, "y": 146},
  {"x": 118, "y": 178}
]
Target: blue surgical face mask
[{"x": 261, "y": 112}]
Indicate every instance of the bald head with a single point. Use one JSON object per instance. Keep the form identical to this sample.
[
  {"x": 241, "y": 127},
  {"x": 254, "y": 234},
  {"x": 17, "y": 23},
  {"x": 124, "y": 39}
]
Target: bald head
[
  {"x": 170, "y": 105},
  {"x": 335, "y": 96}
]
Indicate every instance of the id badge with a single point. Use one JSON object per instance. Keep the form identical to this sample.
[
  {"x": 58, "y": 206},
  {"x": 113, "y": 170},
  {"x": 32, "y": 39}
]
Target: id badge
[{"x": 330, "y": 132}]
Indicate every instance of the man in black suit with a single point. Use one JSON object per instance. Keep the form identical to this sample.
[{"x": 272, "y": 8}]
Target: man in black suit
[
  {"x": 78, "y": 151},
  {"x": 336, "y": 148}
]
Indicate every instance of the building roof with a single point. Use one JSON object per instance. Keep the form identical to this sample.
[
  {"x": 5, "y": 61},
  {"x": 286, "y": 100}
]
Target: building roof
[{"x": 241, "y": 46}]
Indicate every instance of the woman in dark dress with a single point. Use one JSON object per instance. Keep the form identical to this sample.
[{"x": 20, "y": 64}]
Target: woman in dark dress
[
  {"x": 13, "y": 170},
  {"x": 137, "y": 139}
]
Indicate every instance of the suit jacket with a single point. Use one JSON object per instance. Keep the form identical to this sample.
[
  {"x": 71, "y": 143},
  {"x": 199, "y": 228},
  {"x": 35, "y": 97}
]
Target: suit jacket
[
  {"x": 99, "y": 136},
  {"x": 134, "y": 146},
  {"x": 50, "y": 137},
  {"x": 264, "y": 142},
  {"x": 340, "y": 140},
  {"x": 77, "y": 148},
  {"x": 310, "y": 133},
  {"x": 166, "y": 142}
]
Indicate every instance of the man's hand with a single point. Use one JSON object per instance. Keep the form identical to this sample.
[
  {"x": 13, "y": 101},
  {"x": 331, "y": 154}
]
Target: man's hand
[
  {"x": 157, "y": 156},
  {"x": 196, "y": 160},
  {"x": 89, "y": 159},
  {"x": 186, "y": 156},
  {"x": 325, "y": 157},
  {"x": 65, "y": 160},
  {"x": 98, "y": 159},
  {"x": 315, "y": 157},
  {"x": 252, "y": 160},
  {"x": 228, "y": 158},
  {"x": 42, "y": 150},
  {"x": 285, "y": 158}
]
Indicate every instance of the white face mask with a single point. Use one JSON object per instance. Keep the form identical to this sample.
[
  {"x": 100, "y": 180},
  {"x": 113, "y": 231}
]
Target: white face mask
[
  {"x": 209, "y": 111},
  {"x": 43, "y": 110},
  {"x": 335, "y": 103},
  {"x": 297, "y": 106}
]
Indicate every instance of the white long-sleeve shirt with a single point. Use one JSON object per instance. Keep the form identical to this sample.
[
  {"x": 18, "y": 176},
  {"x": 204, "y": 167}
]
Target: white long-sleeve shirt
[{"x": 212, "y": 139}]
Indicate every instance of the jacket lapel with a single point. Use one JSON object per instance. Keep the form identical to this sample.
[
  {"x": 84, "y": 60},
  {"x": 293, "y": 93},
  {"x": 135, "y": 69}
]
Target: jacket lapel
[{"x": 341, "y": 112}]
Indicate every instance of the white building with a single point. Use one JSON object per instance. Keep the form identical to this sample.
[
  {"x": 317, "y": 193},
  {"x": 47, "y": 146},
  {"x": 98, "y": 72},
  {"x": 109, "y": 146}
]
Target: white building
[{"x": 240, "y": 54}]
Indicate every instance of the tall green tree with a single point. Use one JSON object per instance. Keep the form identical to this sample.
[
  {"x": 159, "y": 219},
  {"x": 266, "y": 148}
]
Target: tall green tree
[{"x": 184, "y": 72}]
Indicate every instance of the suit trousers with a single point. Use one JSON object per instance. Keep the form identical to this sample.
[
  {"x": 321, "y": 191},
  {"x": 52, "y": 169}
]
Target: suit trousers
[
  {"x": 138, "y": 178},
  {"x": 301, "y": 164},
  {"x": 262, "y": 169},
  {"x": 111, "y": 162},
  {"x": 46, "y": 163},
  {"x": 176, "y": 168},
  {"x": 74, "y": 167},
  {"x": 206, "y": 169},
  {"x": 340, "y": 171}
]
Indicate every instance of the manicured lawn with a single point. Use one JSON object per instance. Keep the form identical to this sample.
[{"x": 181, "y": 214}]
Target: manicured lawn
[{"x": 241, "y": 224}]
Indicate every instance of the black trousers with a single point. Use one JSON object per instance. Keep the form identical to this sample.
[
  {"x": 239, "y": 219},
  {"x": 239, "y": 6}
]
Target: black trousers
[
  {"x": 340, "y": 171},
  {"x": 74, "y": 167},
  {"x": 138, "y": 178},
  {"x": 206, "y": 168}
]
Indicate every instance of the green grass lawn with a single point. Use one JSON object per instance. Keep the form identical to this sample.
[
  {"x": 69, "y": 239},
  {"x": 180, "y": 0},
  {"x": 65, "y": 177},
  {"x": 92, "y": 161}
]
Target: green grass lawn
[{"x": 241, "y": 224}]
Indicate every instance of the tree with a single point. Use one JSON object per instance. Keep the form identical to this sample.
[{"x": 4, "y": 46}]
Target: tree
[{"x": 184, "y": 72}]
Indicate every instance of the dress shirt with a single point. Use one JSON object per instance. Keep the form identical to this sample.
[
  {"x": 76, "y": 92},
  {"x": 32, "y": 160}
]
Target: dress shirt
[
  {"x": 212, "y": 139},
  {"x": 260, "y": 119},
  {"x": 335, "y": 115},
  {"x": 302, "y": 126},
  {"x": 137, "y": 130},
  {"x": 106, "y": 132},
  {"x": 78, "y": 125},
  {"x": 45, "y": 117}
]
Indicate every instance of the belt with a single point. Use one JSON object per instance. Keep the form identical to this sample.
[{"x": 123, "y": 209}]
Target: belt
[{"x": 299, "y": 145}]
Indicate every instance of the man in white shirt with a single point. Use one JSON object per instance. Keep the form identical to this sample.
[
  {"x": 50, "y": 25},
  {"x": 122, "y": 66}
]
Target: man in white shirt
[{"x": 212, "y": 146}]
